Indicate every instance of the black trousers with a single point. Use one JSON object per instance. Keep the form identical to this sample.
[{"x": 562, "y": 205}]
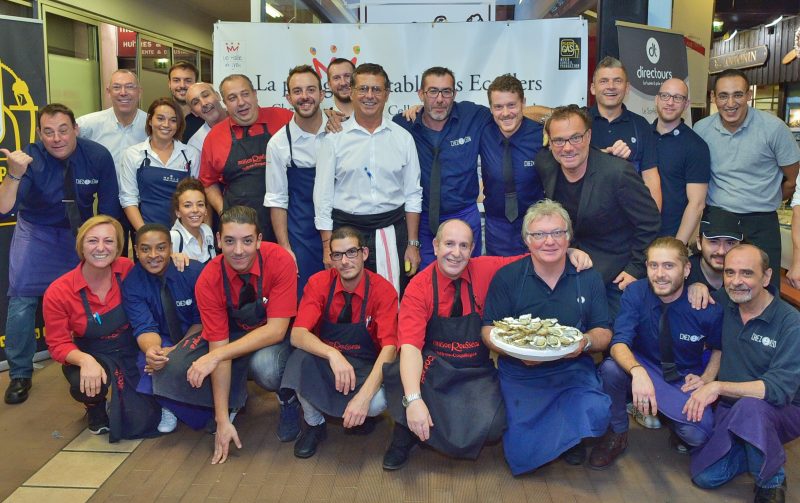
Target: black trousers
[{"x": 73, "y": 375}]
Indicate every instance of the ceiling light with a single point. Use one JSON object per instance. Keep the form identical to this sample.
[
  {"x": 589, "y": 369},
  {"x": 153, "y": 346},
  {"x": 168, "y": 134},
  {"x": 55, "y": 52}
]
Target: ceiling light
[
  {"x": 716, "y": 26},
  {"x": 272, "y": 11}
]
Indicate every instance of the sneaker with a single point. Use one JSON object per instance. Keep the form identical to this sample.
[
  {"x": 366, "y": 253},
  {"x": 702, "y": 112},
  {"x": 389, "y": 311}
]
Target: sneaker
[
  {"x": 168, "y": 421},
  {"x": 646, "y": 421},
  {"x": 678, "y": 445},
  {"x": 98, "y": 418},
  {"x": 608, "y": 450},
  {"x": 289, "y": 424},
  {"x": 773, "y": 495}
]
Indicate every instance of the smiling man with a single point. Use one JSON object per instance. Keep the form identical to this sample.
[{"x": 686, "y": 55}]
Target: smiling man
[
  {"x": 233, "y": 161},
  {"x": 51, "y": 185},
  {"x": 181, "y": 75},
  {"x": 206, "y": 103},
  {"x": 339, "y": 72},
  {"x": 754, "y": 163}
]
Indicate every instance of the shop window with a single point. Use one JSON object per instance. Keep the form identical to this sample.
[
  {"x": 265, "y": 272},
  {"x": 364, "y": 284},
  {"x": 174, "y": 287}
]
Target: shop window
[
  {"x": 72, "y": 63},
  {"x": 16, "y": 8},
  {"x": 206, "y": 67}
]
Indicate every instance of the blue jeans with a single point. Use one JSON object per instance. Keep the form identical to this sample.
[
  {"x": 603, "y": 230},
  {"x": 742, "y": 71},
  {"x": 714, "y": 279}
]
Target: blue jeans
[
  {"x": 21, "y": 336},
  {"x": 267, "y": 364},
  {"x": 742, "y": 457}
]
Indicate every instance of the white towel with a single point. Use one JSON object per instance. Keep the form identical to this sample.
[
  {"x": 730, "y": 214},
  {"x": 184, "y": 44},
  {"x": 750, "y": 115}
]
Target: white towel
[{"x": 387, "y": 263}]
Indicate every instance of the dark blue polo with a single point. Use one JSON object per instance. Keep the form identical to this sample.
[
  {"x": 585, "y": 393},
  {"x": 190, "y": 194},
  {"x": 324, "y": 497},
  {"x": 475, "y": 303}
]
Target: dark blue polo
[
  {"x": 629, "y": 127},
  {"x": 41, "y": 190},
  {"x": 503, "y": 237},
  {"x": 637, "y": 326},
  {"x": 683, "y": 157},
  {"x": 766, "y": 348},
  {"x": 458, "y": 145},
  {"x": 142, "y": 299},
  {"x": 696, "y": 273}
]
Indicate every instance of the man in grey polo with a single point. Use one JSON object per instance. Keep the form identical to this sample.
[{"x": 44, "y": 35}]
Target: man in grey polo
[{"x": 754, "y": 163}]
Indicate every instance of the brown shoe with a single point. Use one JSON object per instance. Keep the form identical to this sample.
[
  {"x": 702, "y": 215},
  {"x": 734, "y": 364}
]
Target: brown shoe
[{"x": 608, "y": 449}]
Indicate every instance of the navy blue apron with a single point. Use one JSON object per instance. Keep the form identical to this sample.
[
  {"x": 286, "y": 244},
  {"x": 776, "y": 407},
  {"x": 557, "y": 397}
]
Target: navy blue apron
[
  {"x": 459, "y": 383},
  {"x": 304, "y": 237},
  {"x": 311, "y": 376},
  {"x": 170, "y": 382},
  {"x": 156, "y": 186},
  {"x": 244, "y": 184},
  {"x": 110, "y": 341}
]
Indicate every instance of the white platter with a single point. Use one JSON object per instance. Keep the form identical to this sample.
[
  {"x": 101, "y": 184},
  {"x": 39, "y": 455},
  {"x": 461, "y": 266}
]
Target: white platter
[{"x": 532, "y": 355}]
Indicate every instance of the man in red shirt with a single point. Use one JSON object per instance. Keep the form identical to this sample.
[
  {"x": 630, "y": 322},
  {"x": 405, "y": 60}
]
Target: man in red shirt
[
  {"x": 246, "y": 298},
  {"x": 345, "y": 330},
  {"x": 234, "y": 152}
]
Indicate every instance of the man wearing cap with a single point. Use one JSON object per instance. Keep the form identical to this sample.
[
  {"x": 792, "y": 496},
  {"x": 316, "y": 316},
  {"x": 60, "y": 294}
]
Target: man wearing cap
[
  {"x": 719, "y": 232},
  {"x": 657, "y": 353}
]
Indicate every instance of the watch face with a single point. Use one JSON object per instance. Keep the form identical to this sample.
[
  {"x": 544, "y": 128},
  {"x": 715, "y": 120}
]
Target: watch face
[{"x": 405, "y": 402}]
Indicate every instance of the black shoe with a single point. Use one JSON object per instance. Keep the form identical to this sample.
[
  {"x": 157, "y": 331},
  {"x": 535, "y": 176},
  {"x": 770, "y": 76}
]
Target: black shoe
[
  {"x": 677, "y": 444},
  {"x": 365, "y": 428},
  {"x": 98, "y": 418},
  {"x": 773, "y": 495},
  {"x": 17, "y": 391},
  {"x": 399, "y": 450},
  {"x": 575, "y": 455},
  {"x": 309, "y": 439}
]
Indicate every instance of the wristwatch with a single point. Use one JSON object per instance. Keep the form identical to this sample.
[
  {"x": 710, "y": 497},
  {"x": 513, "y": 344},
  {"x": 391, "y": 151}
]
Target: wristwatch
[
  {"x": 414, "y": 242},
  {"x": 407, "y": 399},
  {"x": 588, "y": 344}
]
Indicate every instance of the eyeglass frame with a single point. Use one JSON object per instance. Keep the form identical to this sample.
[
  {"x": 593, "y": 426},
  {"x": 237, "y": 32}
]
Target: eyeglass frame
[
  {"x": 364, "y": 90},
  {"x": 678, "y": 99},
  {"x": 542, "y": 236},
  {"x": 347, "y": 253},
  {"x": 577, "y": 137},
  {"x": 436, "y": 92}
]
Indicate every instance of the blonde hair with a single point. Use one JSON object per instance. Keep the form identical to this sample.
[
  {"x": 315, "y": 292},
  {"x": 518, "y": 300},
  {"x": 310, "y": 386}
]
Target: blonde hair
[
  {"x": 94, "y": 222},
  {"x": 670, "y": 243},
  {"x": 545, "y": 208}
]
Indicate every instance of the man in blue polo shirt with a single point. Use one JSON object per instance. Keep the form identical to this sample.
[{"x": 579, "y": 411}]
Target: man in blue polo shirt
[
  {"x": 618, "y": 131},
  {"x": 657, "y": 353},
  {"x": 160, "y": 304},
  {"x": 510, "y": 181},
  {"x": 51, "y": 184},
  {"x": 683, "y": 163}
]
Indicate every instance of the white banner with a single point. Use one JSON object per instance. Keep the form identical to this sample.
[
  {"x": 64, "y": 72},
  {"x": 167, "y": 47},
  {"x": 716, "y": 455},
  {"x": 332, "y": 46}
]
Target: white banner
[{"x": 548, "y": 56}]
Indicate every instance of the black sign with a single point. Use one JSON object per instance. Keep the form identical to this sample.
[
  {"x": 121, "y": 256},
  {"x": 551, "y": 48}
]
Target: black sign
[
  {"x": 651, "y": 57},
  {"x": 743, "y": 58},
  {"x": 569, "y": 53}
]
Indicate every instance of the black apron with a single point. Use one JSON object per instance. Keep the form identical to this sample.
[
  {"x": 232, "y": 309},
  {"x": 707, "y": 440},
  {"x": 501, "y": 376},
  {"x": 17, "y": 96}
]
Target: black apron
[
  {"x": 459, "y": 383},
  {"x": 170, "y": 382},
  {"x": 110, "y": 341},
  {"x": 244, "y": 184},
  {"x": 311, "y": 376}
]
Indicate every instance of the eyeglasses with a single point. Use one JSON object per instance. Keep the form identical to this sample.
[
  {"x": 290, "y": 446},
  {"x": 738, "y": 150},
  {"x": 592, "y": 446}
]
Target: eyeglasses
[
  {"x": 433, "y": 92},
  {"x": 363, "y": 90},
  {"x": 575, "y": 139},
  {"x": 351, "y": 253},
  {"x": 541, "y": 236},
  {"x": 737, "y": 96},
  {"x": 128, "y": 87},
  {"x": 677, "y": 98}
]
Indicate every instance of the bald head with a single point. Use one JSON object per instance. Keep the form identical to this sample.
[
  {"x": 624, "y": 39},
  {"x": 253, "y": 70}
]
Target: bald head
[
  {"x": 205, "y": 102},
  {"x": 671, "y": 101}
]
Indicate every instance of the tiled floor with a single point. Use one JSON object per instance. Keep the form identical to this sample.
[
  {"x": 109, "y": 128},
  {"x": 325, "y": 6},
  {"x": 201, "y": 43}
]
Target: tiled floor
[{"x": 47, "y": 456}]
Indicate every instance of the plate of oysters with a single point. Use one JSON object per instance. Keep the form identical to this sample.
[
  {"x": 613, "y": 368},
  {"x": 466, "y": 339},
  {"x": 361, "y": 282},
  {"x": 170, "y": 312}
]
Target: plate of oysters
[{"x": 535, "y": 339}]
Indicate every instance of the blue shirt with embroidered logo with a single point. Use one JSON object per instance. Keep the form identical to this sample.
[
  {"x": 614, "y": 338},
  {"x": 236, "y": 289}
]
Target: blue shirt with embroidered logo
[
  {"x": 41, "y": 190},
  {"x": 637, "y": 326},
  {"x": 629, "y": 127},
  {"x": 458, "y": 145},
  {"x": 503, "y": 238}
]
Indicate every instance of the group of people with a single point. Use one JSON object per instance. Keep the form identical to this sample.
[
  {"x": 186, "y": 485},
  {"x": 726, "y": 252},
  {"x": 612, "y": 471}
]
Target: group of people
[{"x": 326, "y": 220}]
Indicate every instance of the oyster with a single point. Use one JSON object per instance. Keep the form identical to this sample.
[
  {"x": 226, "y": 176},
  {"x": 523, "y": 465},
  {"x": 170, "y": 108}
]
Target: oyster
[{"x": 535, "y": 333}]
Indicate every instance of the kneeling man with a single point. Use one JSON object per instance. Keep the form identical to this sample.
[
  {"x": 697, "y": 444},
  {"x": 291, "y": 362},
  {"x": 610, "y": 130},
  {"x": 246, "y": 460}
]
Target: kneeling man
[
  {"x": 551, "y": 406},
  {"x": 657, "y": 353},
  {"x": 345, "y": 330},
  {"x": 759, "y": 378}
]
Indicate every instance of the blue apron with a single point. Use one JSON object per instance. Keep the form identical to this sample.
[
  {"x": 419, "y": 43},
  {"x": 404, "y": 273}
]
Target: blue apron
[
  {"x": 156, "y": 186},
  {"x": 39, "y": 254},
  {"x": 304, "y": 237}
]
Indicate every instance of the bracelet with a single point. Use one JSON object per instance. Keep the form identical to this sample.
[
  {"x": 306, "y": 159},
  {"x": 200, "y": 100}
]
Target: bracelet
[
  {"x": 414, "y": 242},
  {"x": 11, "y": 175},
  {"x": 630, "y": 369}
]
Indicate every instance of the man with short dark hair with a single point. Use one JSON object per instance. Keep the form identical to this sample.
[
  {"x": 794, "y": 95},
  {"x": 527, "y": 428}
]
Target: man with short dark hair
[
  {"x": 683, "y": 163},
  {"x": 757, "y": 385},
  {"x": 233, "y": 161},
  {"x": 345, "y": 330},
  {"x": 52, "y": 185},
  {"x": 754, "y": 163},
  {"x": 339, "y": 72},
  {"x": 719, "y": 232},
  {"x": 181, "y": 75},
  {"x": 206, "y": 103},
  {"x": 368, "y": 178}
]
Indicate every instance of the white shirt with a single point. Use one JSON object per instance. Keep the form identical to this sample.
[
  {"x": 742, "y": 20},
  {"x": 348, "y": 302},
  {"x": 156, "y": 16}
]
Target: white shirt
[
  {"x": 104, "y": 128},
  {"x": 132, "y": 160},
  {"x": 363, "y": 173},
  {"x": 304, "y": 152},
  {"x": 191, "y": 247},
  {"x": 197, "y": 139}
]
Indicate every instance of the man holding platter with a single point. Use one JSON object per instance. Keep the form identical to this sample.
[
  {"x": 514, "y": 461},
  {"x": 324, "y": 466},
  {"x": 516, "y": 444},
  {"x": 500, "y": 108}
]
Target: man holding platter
[{"x": 553, "y": 397}]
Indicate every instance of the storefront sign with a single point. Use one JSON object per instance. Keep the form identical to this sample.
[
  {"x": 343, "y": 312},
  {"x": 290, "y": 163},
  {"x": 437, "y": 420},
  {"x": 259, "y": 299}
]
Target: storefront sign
[{"x": 743, "y": 58}]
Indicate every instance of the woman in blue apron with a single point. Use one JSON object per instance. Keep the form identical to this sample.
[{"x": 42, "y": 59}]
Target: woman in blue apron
[
  {"x": 150, "y": 171},
  {"x": 190, "y": 235},
  {"x": 304, "y": 237},
  {"x": 311, "y": 376},
  {"x": 461, "y": 392},
  {"x": 93, "y": 339}
]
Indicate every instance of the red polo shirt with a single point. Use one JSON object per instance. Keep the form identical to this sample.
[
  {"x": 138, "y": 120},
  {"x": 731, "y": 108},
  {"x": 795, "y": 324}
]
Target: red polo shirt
[
  {"x": 278, "y": 279},
  {"x": 416, "y": 308},
  {"x": 217, "y": 145},
  {"x": 64, "y": 314},
  {"x": 381, "y": 305}
]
